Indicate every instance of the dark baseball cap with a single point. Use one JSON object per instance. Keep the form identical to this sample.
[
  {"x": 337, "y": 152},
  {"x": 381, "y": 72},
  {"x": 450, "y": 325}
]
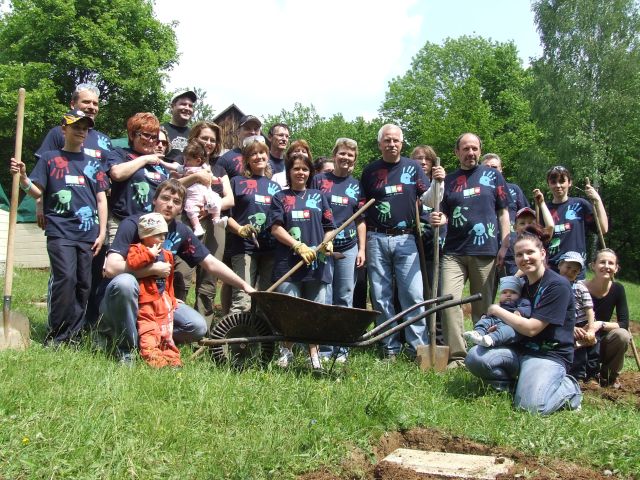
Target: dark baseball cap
[
  {"x": 191, "y": 95},
  {"x": 73, "y": 116},
  {"x": 525, "y": 211},
  {"x": 249, "y": 118}
]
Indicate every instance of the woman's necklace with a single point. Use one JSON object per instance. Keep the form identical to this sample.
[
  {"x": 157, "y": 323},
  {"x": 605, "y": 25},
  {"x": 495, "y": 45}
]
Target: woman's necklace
[{"x": 301, "y": 197}]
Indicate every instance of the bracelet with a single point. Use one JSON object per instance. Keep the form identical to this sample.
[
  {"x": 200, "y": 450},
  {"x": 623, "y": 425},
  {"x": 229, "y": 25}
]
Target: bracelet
[{"x": 28, "y": 187}]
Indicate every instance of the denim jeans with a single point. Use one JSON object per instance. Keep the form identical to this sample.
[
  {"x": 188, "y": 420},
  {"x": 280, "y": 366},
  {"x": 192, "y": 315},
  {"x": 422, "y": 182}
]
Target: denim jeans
[
  {"x": 504, "y": 334},
  {"x": 119, "y": 309},
  {"x": 543, "y": 385},
  {"x": 340, "y": 292},
  {"x": 396, "y": 255},
  {"x": 315, "y": 290}
]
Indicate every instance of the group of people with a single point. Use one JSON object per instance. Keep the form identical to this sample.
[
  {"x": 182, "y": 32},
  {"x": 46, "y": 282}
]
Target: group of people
[{"x": 247, "y": 216}]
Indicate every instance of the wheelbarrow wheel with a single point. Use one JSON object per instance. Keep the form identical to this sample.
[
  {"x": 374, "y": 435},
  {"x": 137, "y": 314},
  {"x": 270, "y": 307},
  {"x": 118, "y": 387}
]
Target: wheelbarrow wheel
[{"x": 237, "y": 325}]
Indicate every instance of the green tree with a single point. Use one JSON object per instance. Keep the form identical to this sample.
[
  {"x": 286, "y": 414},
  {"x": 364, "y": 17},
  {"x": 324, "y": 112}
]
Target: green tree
[
  {"x": 466, "y": 84},
  {"x": 586, "y": 96},
  {"x": 321, "y": 133},
  {"x": 117, "y": 44}
]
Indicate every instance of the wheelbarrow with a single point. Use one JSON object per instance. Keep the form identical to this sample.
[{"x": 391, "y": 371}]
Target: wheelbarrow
[{"x": 250, "y": 337}]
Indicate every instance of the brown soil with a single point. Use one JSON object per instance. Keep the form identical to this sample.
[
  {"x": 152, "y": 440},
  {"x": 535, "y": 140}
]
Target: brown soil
[
  {"x": 358, "y": 465},
  {"x": 628, "y": 389}
]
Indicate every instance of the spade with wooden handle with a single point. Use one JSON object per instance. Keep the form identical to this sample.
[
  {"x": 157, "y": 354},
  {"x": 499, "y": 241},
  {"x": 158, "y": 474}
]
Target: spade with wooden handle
[{"x": 14, "y": 325}]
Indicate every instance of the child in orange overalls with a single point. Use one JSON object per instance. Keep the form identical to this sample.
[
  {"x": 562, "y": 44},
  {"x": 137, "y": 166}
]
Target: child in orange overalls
[{"x": 157, "y": 301}]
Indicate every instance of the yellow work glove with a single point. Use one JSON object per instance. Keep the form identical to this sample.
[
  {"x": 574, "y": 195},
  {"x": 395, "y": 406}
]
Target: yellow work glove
[
  {"x": 307, "y": 254},
  {"x": 245, "y": 231},
  {"x": 326, "y": 248}
]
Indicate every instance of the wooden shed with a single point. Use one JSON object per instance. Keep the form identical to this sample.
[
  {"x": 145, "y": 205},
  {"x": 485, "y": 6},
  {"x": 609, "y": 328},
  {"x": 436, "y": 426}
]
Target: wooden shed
[{"x": 228, "y": 120}]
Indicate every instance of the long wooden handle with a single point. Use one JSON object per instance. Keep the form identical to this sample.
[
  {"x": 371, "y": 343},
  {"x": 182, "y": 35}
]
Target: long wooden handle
[
  {"x": 329, "y": 238},
  {"x": 436, "y": 271},
  {"x": 597, "y": 218},
  {"x": 426, "y": 290},
  {"x": 13, "y": 211}
]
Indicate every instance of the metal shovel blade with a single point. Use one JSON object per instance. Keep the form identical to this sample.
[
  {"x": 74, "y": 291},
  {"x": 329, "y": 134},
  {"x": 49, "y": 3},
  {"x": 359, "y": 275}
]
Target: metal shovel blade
[
  {"x": 423, "y": 357},
  {"x": 14, "y": 331}
]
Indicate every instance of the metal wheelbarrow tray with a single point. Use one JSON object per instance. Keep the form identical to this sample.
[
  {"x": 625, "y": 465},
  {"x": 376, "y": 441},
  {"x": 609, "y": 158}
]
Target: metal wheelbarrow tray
[{"x": 276, "y": 317}]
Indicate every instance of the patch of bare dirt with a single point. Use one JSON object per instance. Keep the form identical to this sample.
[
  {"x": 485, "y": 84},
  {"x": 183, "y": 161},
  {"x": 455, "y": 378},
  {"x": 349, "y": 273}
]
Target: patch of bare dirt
[
  {"x": 627, "y": 389},
  {"x": 532, "y": 468}
]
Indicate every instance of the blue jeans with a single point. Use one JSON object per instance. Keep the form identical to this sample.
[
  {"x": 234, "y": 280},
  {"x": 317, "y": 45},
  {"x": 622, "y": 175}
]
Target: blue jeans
[
  {"x": 315, "y": 290},
  {"x": 503, "y": 334},
  {"x": 119, "y": 309},
  {"x": 340, "y": 292},
  {"x": 388, "y": 255},
  {"x": 543, "y": 385}
]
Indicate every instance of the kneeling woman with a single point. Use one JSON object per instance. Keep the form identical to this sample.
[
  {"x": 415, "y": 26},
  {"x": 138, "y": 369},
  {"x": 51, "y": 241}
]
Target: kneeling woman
[
  {"x": 540, "y": 361},
  {"x": 299, "y": 219}
]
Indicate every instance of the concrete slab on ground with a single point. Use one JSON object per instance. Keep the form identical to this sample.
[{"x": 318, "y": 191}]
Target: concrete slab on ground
[{"x": 453, "y": 465}]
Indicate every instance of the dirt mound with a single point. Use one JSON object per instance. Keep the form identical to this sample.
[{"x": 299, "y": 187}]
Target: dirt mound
[
  {"x": 627, "y": 389},
  {"x": 359, "y": 467}
]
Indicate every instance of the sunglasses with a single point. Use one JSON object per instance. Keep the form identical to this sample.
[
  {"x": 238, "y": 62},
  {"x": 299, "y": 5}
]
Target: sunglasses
[{"x": 164, "y": 143}]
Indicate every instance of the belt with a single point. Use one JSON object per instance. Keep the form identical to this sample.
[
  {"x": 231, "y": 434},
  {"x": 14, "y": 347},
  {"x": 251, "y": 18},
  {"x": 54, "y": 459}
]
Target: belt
[{"x": 391, "y": 231}]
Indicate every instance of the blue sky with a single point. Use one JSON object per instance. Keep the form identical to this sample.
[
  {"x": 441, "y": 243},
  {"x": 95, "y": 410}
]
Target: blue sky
[{"x": 339, "y": 55}]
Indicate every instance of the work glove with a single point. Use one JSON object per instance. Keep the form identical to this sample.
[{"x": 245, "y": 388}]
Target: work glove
[
  {"x": 326, "y": 248},
  {"x": 245, "y": 231},
  {"x": 307, "y": 254}
]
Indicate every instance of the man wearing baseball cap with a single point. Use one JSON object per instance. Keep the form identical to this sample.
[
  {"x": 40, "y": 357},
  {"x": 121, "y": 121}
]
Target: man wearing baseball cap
[
  {"x": 231, "y": 161},
  {"x": 182, "y": 108}
]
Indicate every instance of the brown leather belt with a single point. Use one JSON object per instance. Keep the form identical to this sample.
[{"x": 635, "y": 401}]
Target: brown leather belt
[{"x": 391, "y": 231}]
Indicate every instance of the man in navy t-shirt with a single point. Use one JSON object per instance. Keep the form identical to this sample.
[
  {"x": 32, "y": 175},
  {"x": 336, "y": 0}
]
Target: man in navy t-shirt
[
  {"x": 231, "y": 161},
  {"x": 119, "y": 304},
  {"x": 182, "y": 109},
  {"x": 475, "y": 202},
  {"x": 395, "y": 182},
  {"x": 278, "y": 141}
]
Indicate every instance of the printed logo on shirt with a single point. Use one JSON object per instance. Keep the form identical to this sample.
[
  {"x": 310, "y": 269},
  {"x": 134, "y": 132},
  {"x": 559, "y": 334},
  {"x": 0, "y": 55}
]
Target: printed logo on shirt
[
  {"x": 74, "y": 179},
  {"x": 153, "y": 175},
  {"x": 471, "y": 192},
  {"x": 562, "y": 228},
  {"x": 391, "y": 189},
  {"x": 338, "y": 200},
  {"x": 93, "y": 153},
  {"x": 300, "y": 214},
  {"x": 263, "y": 199}
]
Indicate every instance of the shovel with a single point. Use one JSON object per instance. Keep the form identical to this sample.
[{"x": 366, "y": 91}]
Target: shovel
[
  {"x": 15, "y": 326},
  {"x": 434, "y": 356}
]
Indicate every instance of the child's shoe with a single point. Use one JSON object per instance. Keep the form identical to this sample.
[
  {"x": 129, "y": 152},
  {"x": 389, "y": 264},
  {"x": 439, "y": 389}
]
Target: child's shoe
[
  {"x": 286, "y": 357},
  {"x": 198, "y": 231},
  {"x": 473, "y": 337}
]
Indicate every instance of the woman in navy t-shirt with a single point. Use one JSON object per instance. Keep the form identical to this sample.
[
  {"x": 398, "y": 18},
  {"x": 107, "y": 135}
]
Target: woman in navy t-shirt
[
  {"x": 299, "y": 218},
  {"x": 540, "y": 361}
]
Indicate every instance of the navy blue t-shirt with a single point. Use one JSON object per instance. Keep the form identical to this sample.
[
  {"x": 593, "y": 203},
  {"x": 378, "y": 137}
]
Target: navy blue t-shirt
[
  {"x": 253, "y": 197},
  {"x": 96, "y": 145},
  {"x": 306, "y": 216},
  {"x": 180, "y": 240},
  {"x": 552, "y": 302},
  {"x": 277, "y": 164},
  {"x": 232, "y": 163},
  {"x": 471, "y": 201},
  {"x": 71, "y": 183},
  {"x": 517, "y": 200},
  {"x": 134, "y": 195},
  {"x": 395, "y": 186},
  {"x": 573, "y": 219},
  {"x": 178, "y": 139},
  {"x": 343, "y": 194}
]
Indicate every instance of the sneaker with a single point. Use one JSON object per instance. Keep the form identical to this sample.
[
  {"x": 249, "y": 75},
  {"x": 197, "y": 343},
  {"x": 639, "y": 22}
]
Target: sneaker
[
  {"x": 126, "y": 359},
  {"x": 286, "y": 357},
  {"x": 198, "y": 231},
  {"x": 486, "y": 341},
  {"x": 315, "y": 363},
  {"x": 473, "y": 337}
]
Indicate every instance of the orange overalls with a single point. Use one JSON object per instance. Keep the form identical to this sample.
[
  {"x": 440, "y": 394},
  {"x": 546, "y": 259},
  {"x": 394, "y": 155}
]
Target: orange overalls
[{"x": 155, "y": 311}]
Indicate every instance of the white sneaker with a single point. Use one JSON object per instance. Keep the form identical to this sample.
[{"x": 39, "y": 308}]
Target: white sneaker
[
  {"x": 198, "y": 231},
  {"x": 486, "y": 341},
  {"x": 286, "y": 357},
  {"x": 473, "y": 337},
  {"x": 315, "y": 362}
]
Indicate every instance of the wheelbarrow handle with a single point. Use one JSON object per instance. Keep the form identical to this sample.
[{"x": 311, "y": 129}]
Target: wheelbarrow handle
[{"x": 330, "y": 236}]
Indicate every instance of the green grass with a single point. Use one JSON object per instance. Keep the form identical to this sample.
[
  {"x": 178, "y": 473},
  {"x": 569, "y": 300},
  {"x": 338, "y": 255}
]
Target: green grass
[{"x": 78, "y": 414}]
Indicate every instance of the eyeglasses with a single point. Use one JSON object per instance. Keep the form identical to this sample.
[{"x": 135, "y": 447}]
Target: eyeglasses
[
  {"x": 164, "y": 143},
  {"x": 147, "y": 136}
]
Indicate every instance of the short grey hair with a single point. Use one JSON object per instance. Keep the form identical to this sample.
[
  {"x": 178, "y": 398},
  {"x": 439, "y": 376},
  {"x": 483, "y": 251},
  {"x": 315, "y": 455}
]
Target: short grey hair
[
  {"x": 386, "y": 127},
  {"x": 83, "y": 87},
  {"x": 345, "y": 142}
]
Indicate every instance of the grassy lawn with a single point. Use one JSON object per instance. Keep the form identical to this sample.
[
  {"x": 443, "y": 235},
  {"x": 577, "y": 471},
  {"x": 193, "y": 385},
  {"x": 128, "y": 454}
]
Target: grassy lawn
[{"x": 78, "y": 414}]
